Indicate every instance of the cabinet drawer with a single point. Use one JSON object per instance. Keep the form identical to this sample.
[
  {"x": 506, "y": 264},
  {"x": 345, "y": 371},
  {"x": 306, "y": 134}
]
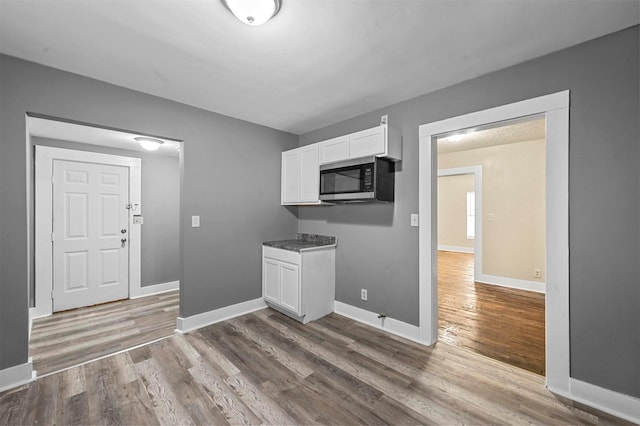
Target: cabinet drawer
[{"x": 281, "y": 255}]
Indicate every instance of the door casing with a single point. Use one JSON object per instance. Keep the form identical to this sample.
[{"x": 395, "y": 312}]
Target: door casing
[
  {"x": 555, "y": 109},
  {"x": 44, "y": 219},
  {"x": 476, "y": 172}
]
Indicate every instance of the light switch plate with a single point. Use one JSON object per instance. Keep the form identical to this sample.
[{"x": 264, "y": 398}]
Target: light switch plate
[
  {"x": 415, "y": 219},
  {"x": 195, "y": 221},
  {"x": 138, "y": 219}
]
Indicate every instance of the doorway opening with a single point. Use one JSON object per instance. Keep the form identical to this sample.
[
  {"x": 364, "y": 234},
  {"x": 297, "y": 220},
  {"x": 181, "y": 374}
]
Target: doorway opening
[
  {"x": 491, "y": 256},
  {"x": 105, "y": 241},
  {"x": 555, "y": 109}
]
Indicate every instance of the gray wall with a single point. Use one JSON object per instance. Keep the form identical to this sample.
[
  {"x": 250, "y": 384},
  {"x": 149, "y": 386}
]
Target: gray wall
[
  {"x": 160, "y": 258},
  {"x": 231, "y": 178},
  {"x": 378, "y": 250}
]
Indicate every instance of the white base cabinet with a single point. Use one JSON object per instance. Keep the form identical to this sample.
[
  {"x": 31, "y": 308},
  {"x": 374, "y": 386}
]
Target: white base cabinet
[{"x": 299, "y": 284}]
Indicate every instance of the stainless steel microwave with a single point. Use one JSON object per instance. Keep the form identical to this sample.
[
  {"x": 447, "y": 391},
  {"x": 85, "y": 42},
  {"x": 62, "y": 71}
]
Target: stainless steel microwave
[{"x": 366, "y": 179}]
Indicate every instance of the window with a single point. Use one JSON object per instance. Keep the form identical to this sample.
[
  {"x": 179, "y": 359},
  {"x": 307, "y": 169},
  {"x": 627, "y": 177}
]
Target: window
[{"x": 471, "y": 215}]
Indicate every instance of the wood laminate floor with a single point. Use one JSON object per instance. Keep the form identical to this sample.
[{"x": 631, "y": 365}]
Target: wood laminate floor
[
  {"x": 264, "y": 368},
  {"x": 68, "y": 338},
  {"x": 502, "y": 323}
]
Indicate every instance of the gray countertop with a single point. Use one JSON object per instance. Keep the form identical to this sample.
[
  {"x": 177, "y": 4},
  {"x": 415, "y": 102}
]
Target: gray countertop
[{"x": 304, "y": 242}]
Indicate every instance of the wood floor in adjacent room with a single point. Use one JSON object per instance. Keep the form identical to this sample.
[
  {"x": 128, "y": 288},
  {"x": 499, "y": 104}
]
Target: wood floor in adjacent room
[
  {"x": 502, "y": 323},
  {"x": 72, "y": 337},
  {"x": 264, "y": 368}
]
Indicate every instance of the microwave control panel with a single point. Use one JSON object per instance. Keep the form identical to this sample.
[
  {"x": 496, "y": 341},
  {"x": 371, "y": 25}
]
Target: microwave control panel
[{"x": 367, "y": 182}]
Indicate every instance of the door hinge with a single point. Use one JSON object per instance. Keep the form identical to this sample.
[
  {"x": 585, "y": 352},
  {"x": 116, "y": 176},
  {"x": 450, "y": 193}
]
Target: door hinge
[{"x": 52, "y": 239}]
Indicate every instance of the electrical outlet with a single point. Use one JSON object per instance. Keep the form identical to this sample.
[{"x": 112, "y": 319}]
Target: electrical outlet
[
  {"x": 537, "y": 273},
  {"x": 363, "y": 293}
]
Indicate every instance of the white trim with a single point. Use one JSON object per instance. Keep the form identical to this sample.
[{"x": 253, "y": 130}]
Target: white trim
[
  {"x": 17, "y": 375},
  {"x": 393, "y": 326},
  {"x": 557, "y": 243},
  {"x": 217, "y": 315},
  {"x": 43, "y": 193},
  {"x": 476, "y": 171},
  {"x": 456, "y": 249},
  {"x": 555, "y": 108},
  {"x": 29, "y": 195},
  {"x": 618, "y": 404},
  {"x": 150, "y": 290},
  {"x": 539, "y": 105},
  {"x": 538, "y": 287}
]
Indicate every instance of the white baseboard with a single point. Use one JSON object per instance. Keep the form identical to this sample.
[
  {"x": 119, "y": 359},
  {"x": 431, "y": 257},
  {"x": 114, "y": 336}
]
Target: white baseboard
[
  {"x": 393, "y": 326},
  {"x": 40, "y": 312},
  {"x": 538, "y": 287},
  {"x": 211, "y": 317},
  {"x": 615, "y": 403},
  {"x": 456, "y": 249},
  {"x": 150, "y": 290},
  {"x": 18, "y": 375}
]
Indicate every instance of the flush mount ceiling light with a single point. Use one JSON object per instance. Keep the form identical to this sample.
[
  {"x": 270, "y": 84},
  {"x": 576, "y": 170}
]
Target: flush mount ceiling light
[
  {"x": 457, "y": 137},
  {"x": 150, "y": 144},
  {"x": 253, "y": 12}
]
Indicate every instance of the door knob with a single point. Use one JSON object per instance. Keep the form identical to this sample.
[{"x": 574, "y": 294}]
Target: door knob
[
  {"x": 123, "y": 231},
  {"x": 123, "y": 241}
]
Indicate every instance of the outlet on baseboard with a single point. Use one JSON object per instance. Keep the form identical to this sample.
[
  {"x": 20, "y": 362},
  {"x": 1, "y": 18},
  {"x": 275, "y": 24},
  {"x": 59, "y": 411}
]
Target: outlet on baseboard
[
  {"x": 537, "y": 273},
  {"x": 363, "y": 293}
]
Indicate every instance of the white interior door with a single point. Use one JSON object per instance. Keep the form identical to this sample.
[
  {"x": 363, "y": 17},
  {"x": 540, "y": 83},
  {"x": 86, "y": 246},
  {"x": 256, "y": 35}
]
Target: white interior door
[{"x": 90, "y": 234}]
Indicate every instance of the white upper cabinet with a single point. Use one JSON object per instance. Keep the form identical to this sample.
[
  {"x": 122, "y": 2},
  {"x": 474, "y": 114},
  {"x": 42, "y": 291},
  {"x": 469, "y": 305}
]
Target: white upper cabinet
[
  {"x": 300, "y": 176},
  {"x": 309, "y": 174},
  {"x": 290, "y": 176},
  {"x": 380, "y": 141},
  {"x": 368, "y": 142},
  {"x": 336, "y": 149},
  {"x": 301, "y": 166}
]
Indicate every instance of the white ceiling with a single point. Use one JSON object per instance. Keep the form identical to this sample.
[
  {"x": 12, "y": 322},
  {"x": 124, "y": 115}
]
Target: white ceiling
[
  {"x": 316, "y": 63},
  {"x": 508, "y": 132}
]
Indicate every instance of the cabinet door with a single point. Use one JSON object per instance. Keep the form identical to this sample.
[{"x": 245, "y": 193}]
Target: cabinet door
[
  {"x": 309, "y": 174},
  {"x": 290, "y": 287},
  {"x": 290, "y": 185},
  {"x": 336, "y": 149},
  {"x": 271, "y": 280},
  {"x": 367, "y": 142}
]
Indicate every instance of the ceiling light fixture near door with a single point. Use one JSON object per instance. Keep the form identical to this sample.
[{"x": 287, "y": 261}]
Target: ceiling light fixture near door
[
  {"x": 458, "y": 136},
  {"x": 253, "y": 12},
  {"x": 150, "y": 144}
]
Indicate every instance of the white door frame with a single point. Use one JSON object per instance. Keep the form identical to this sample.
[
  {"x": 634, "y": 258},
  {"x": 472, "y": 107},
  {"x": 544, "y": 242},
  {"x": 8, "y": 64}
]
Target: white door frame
[
  {"x": 476, "y": 171},
  {"x": 44, "y": 214},
  {"x": 555, "y": 108}
]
